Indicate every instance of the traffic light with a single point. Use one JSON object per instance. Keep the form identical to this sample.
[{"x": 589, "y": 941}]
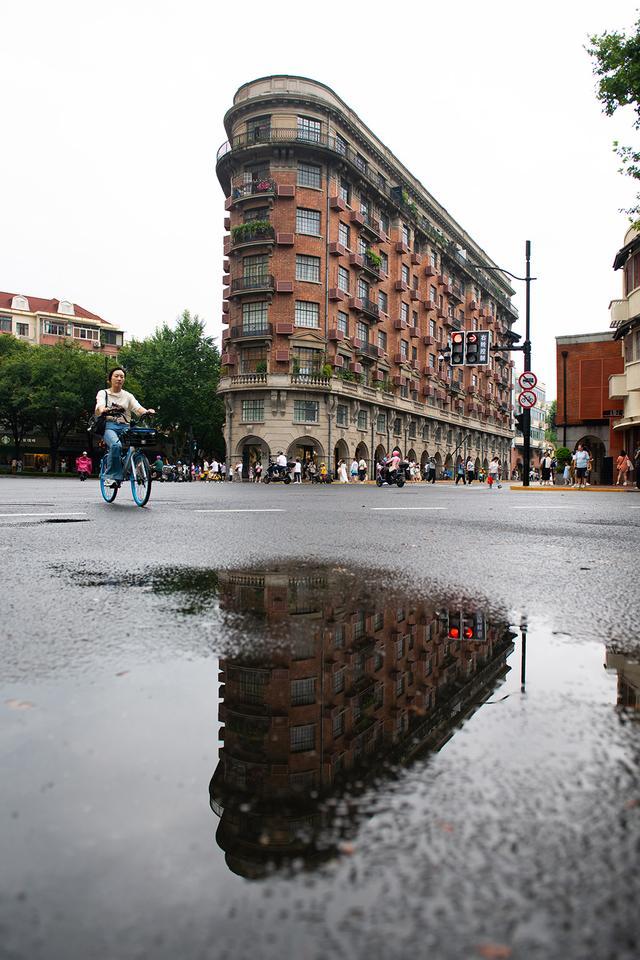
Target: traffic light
[
  {"x": 457, "y": 348},
  {"x": 454, "y": 625},
  {"x": 520, "y": 418},
  {"x": 471, "y": 353}
]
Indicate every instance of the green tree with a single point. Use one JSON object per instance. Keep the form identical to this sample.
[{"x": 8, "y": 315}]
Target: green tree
[
  {"x": 616, "y": 63},
  {"x": 176, "y": 371},
  {"x": 16, "y": 390},
  {"x": 551, "y": 433},
  {"x": 65, "y": 381}
]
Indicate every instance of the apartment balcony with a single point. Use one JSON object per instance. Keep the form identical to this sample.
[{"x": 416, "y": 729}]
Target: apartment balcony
[
  {"x": 371, "y": 227},
  {"x": 372, "y": 269},
  {"x": 619, "y": 310},
  {"x": 369, "y": 350},
  {"x": 243, "y": 286},
  {"x": 252, "y": 189},
  {"x": 252, "y": 234},
  {"x": 249, "y": 379},
  {"x": 370, "y": 309},
  {"x": 617, "y": 385},
  {"x": 457, "y": 293},
  {"x": 249, "y": 332},
  {"x": 310, "y": 380}
]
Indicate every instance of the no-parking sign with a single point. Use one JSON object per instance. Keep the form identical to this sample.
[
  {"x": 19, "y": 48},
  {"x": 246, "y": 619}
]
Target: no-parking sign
[{"x": 527, "y": 380}]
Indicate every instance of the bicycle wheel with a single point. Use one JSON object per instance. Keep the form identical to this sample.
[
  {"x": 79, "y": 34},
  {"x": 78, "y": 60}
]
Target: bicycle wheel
[
  {"x": 108, "y": 493},
  {"x": 140, "y": 479}
]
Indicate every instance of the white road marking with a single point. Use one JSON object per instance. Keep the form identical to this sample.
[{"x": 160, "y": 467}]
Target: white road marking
[
  {"x": 65, "y": 513},
  {"x": 543, "y": 508},
  {"x": 243, "y": 510},
  {"x": 407, "y": 508}
]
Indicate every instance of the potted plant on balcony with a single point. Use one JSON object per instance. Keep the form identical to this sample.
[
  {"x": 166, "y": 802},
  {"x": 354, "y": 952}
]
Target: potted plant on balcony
[
  {"x": 327, "y": 371},
  {"x": 261, "y": 366},
  {"x": 373, "y": 259}
]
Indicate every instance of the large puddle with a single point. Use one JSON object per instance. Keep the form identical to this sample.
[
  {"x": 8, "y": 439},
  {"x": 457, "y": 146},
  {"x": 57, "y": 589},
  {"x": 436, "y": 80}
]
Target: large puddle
[{"x": 336, "y": 760}]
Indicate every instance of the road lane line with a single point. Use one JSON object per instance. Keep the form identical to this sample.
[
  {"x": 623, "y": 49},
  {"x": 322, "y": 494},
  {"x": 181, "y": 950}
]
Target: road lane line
[
  {"x": 543, "y": 508},
  {"x": 243, "y": 510},
  {"x": 65, "y": 513},
  {"x": 407, "y": 508}
]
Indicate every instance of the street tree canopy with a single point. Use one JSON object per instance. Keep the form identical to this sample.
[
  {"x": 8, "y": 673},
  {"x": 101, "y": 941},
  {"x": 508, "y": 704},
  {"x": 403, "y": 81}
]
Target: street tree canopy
[
  {"x": 176, "y": 371},
  {"x": 616, "y": 63}
]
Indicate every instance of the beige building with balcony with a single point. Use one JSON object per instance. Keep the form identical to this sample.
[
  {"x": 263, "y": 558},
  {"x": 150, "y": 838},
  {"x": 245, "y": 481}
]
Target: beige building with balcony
[
  {"x": 625, "y": 321},
  {"x": 344, "y": 279},
  {"x": 41, "y": 321}
]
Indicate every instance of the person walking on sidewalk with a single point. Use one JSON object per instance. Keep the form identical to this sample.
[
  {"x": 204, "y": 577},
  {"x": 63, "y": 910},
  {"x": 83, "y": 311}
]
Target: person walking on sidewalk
[
  {"x": 471, "y": 471},
  {"x": 623, "y": 465},
  {"x": 460, "y": 473},
  {"x": 297, "y": 471},
  {"x": 581, "y": 461},
  {"x": 494, "y": 470}
]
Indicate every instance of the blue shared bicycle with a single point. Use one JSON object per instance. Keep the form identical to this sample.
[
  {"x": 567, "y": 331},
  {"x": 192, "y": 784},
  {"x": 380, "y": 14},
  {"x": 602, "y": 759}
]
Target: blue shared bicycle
[{"x": 135, "y": 466}]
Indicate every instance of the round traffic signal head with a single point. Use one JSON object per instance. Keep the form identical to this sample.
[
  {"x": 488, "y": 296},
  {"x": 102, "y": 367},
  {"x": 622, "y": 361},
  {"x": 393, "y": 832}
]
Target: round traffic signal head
[
  {"x": 454, "y": 633},
  {"x": 468, "y": 633}
]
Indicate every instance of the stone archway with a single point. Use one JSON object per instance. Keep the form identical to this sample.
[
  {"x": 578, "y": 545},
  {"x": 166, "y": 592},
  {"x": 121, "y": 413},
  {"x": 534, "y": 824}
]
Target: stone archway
[
  {"x": 438, "y": 460},
  {"x": 340, "y": 452},
  {"x": 362, "y": 452},
  {"x": 448, "y": 466},
  {"x": 307, "y": 449},
  {"x": 251, "y": 450},
  {"x": 596, "y": 448},
  {"x": 423, "y": 460},
  {"x": 411, "y": 455}
]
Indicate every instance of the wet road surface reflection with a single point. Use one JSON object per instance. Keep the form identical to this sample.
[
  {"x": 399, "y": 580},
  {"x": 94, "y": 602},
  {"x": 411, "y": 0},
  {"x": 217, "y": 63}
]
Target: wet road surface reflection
[
  {"x": 389, "y": 769},
  {"x": 363, "y": 681}
]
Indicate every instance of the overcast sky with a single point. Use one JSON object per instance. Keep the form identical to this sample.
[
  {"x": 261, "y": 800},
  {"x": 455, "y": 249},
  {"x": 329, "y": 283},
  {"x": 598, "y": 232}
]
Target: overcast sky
[{"x": 112, "y": 114}]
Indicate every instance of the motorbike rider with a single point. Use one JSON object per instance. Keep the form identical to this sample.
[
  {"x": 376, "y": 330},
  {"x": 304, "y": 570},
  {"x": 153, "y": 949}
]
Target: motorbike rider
[
  {"x": 84, "y": 465},
  {"x": 393, "y": 462}
]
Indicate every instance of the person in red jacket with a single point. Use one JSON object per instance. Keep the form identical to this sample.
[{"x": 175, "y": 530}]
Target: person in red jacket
[{"x": 84, "y": 465}]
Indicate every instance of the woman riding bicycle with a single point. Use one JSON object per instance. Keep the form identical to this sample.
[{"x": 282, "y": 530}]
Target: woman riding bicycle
[{"x": 119, "y": 404}]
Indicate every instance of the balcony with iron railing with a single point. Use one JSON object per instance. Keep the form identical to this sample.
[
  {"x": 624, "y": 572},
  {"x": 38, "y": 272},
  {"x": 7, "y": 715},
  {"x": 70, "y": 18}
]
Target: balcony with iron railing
[
  {"x": 258, "y": 283},
  {"x": 253, "y": 232},
  {"x": 251, "y": 332},
  {"x": 249, "y": 189},
  {"x": 370, "y": 309}
]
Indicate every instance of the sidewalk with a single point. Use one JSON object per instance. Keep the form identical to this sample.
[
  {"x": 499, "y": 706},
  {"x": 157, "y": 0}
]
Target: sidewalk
[{"x": 536, "y": 488}]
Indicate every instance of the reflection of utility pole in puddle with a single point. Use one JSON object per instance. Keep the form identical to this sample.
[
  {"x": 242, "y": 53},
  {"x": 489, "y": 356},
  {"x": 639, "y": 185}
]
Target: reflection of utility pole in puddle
[{"x": 523, "y": 656}]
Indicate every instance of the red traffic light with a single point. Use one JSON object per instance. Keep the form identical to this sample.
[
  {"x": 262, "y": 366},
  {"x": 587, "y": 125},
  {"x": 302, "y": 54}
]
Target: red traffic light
[
  {"x": 472, "y": 338},
  {"x": 454, "y": 633},
  {"x": 468, "y": 633}
]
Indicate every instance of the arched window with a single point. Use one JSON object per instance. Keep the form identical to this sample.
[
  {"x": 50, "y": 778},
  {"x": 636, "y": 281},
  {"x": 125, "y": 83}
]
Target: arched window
[{"x": 19, "y": 303}]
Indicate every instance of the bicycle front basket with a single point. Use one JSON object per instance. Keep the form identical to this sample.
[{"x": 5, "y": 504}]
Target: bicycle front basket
[{"x": 139, "y": 436}]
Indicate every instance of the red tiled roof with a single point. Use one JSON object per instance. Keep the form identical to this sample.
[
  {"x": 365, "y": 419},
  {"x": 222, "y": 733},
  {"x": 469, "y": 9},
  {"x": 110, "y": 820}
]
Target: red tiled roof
[{"x": 40, "y": 305}]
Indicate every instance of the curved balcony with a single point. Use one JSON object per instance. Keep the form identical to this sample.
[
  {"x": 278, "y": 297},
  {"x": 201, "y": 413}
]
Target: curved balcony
[
  {"x": 248, "y": 190},
  {"x": 254, "y": 233},
  {"x": 243, "y": 286},
  {"x": 249, "y": 332},
  {"x": 370, "y": 309}
]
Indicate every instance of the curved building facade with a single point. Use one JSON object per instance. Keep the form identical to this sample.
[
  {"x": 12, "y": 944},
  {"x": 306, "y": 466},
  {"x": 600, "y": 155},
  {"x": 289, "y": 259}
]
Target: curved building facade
[{"x": 344, "y": 279}]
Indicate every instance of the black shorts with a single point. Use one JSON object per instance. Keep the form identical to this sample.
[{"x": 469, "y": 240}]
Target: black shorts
[{"x": 581, "y": 472}]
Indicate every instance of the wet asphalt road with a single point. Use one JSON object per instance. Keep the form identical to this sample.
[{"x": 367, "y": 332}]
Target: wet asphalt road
[{"x": 518, "y": 837}]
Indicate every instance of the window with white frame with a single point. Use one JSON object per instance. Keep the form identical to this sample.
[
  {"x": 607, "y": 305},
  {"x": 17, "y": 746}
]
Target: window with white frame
[
  {"x": 255, "y": 268},
  {"x": 404, "y": 312},
  {"x": 382, "y": 340},
  {"x": 362, "y": 331},
  {"x": 343, "y": 322},
  {"x": 22, "y": 329},
  {"x": 306, "y": 360},
  {"x": 308, "y": 222},
  {"x": 307, "y": 313},
  {"x": 344, "y": 190},
  {"x": 307, "y": 268},
  {"x": 363, "y": 289},
  {"x": 361, "y": 162},
  {"x": 309, "y": 175},
  {"x": 306, "y": 411},
  {"x": 253, "y": 411},
  {"x": 309, "y": 129},
  {"x": 384, "y": 222},
  {"x": 384, "y": 262},
  {"x": 406, "y": 234},
  {"x": 6, "y": 325},
  {"x": 254, "y": 317},
  {"x": 341, "y": 144},
  {"x": 405, "y": 274},
  {"x": 383, "y": 301},
  {"x": 86, "y": 333},
  {"x": 54, "y": 329}
]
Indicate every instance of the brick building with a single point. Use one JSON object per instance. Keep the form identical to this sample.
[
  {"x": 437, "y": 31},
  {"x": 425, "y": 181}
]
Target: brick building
[
  {"x": 586, "y": 412},
  {"x": 339, "y": 681},
  {"x": 625, "y": 321},
  {"x": 343, "y": 280}
]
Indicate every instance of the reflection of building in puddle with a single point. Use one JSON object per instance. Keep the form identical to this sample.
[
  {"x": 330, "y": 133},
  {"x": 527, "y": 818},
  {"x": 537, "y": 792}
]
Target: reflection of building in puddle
[
  {"x": 628, "y": 672},
  {"x": 365, "y": 679}
]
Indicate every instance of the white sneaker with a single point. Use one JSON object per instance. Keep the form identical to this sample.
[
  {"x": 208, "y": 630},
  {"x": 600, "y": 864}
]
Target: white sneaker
[{"x": 110, "y": 483}]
